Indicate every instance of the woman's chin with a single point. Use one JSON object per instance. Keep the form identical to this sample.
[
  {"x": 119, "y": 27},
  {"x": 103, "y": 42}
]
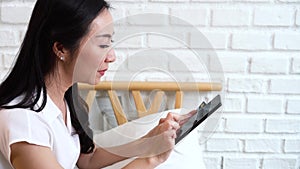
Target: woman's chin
[
  {"x": 97, "y": 80},
  {"x": 89, "y": 82}
]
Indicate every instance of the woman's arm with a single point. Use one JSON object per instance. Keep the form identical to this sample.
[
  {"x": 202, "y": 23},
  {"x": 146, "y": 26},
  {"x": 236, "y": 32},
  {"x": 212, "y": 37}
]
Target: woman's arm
[
  {"x": 29, "y": 156},
  {"x": 149, "y": 162},
  {"x": 99, "y": 158},
  {"x": 153, "y": 148},
  {"x": 143, "y": 147}
]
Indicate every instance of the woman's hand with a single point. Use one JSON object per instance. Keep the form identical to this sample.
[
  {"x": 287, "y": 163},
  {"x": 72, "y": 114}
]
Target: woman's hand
[
  {"x": 170, "y": 124},
  {"x": 157, "y": 144},
  {"x": 181, "y": 119},
  {"x": 161, "y": 138}
]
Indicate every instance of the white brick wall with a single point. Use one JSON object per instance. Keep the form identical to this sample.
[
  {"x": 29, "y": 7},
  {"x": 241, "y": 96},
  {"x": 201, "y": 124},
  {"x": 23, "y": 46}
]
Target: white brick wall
[
  {"x": 293, "y": 106},
  {"x": 287, "y": 86},
  {"x": 258, "y": 46},
  {"x": 244, "y": 125},
  {"x": 187, "y": 15},
  {"x": 261, "y": 64},
  {"x": 212, "y": 162},
  {"x": 264, "y": 105},
  {"x": 273, "y": 16},
  {"x": 292, "y": 146},
  {"x": 220, "y": 145},
  {"x": 251, "y": 41},
  {"x": 9, "y": 13},
  {"x": 287, "y": 125},
  {"x": 236, "y": 163},
  {"x": 289, "y": 41},
  {"x": 217, "y": 40},
  {"x": 231, "y": 17},
  {"x": 298, "y": 17},
  {"x": 246, "y": 85},
  {"x": 8, "y": 38},
  {"x": 263, "y": 146},
  {"x": 296, "y": 65},
  {"x": 233, "y": 104},
  {"x": 279, "y": 163},
  {"x": 231, "y": 62},
  {"x": 8, "y": 60}
]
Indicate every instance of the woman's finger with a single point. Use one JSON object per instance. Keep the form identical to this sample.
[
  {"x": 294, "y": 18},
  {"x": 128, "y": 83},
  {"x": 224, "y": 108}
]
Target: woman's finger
[
  {"x": 162, "y": 120},
  {"x": 171, "y": 125},
  {"x": 181, "y": 119},
  {"x": 169, "y": 117},
  {"x": 174, "y": 134}
]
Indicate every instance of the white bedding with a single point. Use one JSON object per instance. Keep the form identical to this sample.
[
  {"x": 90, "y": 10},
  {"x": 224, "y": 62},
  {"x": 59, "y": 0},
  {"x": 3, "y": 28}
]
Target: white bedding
[{"x": 186, "y": 154}]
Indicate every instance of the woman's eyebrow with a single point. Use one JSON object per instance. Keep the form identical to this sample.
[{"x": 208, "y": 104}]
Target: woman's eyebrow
[{"x": 105, "y": 35}]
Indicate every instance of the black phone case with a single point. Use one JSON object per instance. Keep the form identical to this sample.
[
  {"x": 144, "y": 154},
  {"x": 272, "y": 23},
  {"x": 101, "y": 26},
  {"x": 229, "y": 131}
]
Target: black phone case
[{"x": 203, "y": 112}]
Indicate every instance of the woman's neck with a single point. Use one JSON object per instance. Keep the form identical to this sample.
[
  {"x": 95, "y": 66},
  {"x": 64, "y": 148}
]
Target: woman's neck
[{"x": 56, "y": 87}]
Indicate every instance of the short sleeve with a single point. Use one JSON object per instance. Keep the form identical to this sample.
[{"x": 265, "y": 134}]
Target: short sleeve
[{"x": 22, "y": 125}]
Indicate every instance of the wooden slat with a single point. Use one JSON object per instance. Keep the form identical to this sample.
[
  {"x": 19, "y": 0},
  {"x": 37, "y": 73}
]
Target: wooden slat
[
  {"x": 117, "y": 107},
  {"x": 156, "y": 102},
  {"x": 178, "y": 99},
  {"x": 90, "y": 98},
  {"x": 139, "y": 103},
  {"x": 165, "y": 86}
]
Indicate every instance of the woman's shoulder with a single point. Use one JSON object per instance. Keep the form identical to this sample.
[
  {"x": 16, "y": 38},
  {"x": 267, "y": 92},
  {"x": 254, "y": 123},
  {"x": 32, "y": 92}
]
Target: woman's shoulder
[
  {"x": 22, "y": 112},
  {"x": 12, "y": 113},
  {"x": 18, "y": 116},
  {"x": 23, "y": 125}
]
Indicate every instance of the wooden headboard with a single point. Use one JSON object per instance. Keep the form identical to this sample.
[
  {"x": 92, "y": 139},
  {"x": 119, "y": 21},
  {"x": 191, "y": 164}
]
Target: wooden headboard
[{"x": 136, "y": 87}]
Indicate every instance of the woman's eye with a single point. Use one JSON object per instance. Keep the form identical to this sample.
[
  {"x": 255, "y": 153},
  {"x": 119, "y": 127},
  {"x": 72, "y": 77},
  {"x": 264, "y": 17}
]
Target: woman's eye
[
  {"x": 107, "y": 46},
  {"x": 104, "y": 46}
]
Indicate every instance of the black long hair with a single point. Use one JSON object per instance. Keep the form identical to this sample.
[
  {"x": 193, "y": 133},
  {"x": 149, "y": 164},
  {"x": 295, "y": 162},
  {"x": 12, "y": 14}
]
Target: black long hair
[{"x": 63, "y": 21}]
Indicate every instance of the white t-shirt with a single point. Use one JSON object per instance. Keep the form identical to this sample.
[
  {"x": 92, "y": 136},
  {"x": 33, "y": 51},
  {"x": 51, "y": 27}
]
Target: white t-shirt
[{"x": 46, "y": 128}]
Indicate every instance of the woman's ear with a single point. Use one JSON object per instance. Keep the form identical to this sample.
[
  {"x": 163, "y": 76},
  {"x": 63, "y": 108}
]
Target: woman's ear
[{"x": 60, "y": 51}]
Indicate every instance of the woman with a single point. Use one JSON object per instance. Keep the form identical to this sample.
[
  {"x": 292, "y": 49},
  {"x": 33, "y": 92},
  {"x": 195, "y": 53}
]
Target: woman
[{"x": 43, "y": 121}]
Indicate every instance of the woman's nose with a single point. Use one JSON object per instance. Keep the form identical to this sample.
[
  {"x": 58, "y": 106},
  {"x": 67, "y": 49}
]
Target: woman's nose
[{"x": 111, "y": 56}]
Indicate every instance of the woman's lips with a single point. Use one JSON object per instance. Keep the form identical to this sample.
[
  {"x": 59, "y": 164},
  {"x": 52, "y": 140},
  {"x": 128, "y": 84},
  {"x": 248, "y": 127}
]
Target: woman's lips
[{"x": 102, "y": 72}]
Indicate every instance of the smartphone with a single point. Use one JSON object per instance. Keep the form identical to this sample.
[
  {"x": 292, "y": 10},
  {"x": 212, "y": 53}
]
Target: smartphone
[{"x": 204, "y": 110}]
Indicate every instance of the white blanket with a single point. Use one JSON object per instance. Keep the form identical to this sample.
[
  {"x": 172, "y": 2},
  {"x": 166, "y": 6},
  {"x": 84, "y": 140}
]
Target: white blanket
[{"x": 187, "y": 154}]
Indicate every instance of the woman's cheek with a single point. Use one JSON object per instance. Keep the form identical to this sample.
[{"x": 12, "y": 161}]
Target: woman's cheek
[{"x": 82, "y": 68}]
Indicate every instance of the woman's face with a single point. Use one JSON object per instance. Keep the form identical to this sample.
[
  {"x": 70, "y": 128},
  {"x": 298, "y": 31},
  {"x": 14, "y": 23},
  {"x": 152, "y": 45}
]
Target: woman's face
[{"x": 95, "y": 51}]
